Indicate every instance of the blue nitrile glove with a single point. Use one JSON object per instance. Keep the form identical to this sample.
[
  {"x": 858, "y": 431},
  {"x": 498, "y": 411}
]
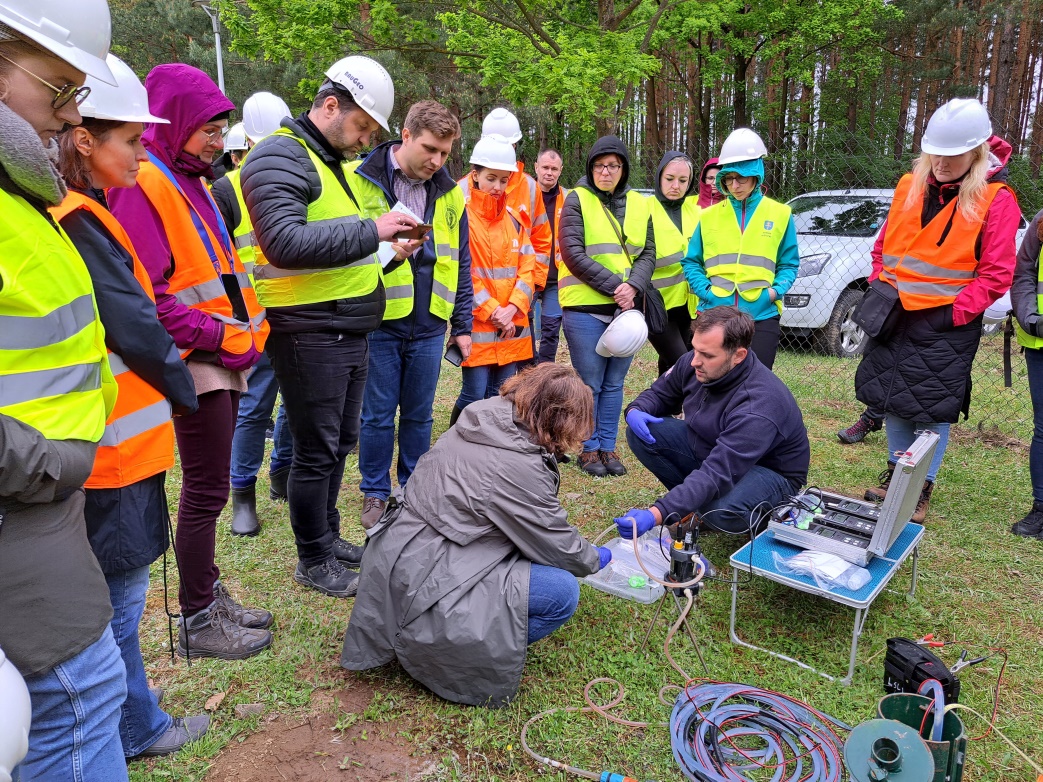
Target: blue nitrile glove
[
  {"x": 638, "y": 421},
  {"x": 604, "y": 557},
  {"x": 641, "y": 518}
]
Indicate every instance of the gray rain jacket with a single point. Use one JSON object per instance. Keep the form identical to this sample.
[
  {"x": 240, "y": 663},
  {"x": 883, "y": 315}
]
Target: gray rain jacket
[{"x": 444, "y": 585}]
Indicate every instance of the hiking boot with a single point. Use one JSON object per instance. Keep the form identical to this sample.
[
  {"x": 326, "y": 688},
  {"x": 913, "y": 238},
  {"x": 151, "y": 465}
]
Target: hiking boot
[
  {"x": 590, "y": 462},
  {"x": 857, "y": 432},
  {"x": 157, "y": 693},
  {"x": 214, "y": 633},
  {"x": 256, "y": 618},
  {"x": 612, "y": 464},
  {"x": 277, "y": 480},
  {"x": 181, "y": 731},
  {"x": 372, "y": 510},
  {"x": 1032, "y": 525},
  {"x": 329, "y": 577},
  {"x": 244, "y": 511},
  {"x": 879, "y": 493},
  {"x": 348, "y": 553},
  {"x": 923, "y": 503}
]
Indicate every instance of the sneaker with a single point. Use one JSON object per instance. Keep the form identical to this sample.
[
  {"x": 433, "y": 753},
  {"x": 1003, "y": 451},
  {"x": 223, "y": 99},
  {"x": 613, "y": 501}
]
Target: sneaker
[
  {"x": 879, "y": 493},
  {"x": 257, "y": 618},
  {"x": 612, "y": 464},
  {"x": 857, "y": 432},
  {"x": 590, "y": 462},
  {"x": 923, "y": 503},
  {"x": 329, "y": 577},
  {"x": 372, "y": 510},
  {"x": 1032, "y": 525},
  {"x": 348, "y": 553},
  {"x": 181, "y": 731},
  {"x": 214, "y": 633}
]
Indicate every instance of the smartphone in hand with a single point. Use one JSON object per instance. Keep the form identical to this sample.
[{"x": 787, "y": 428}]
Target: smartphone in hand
[
  {"x": 419, "y": 231},
  {"x": 454, "y": 355}
]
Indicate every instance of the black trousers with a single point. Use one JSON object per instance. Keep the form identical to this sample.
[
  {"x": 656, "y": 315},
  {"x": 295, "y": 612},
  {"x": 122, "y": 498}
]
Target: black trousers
[
  {"x": 675, "y": 340},
  {"x": 766, "y": 341}
]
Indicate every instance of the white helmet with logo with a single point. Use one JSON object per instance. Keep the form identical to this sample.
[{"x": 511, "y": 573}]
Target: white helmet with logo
[
  {"x": 235, "y": 138},
  {"x": 77, "y": 31},
  {"x": 369, "y": 84},
  {"x": 741, "y": 144},
  {"x": 624, "y": 336},
  {"x": 501, "y": 122},
  {"x": 126, "y": 102},
  {"x": 14, "y": 718},
  {"x": 957, "y": 127},
  {"x": 262, "y": 114},
  {"x": 494, "y": 152}
]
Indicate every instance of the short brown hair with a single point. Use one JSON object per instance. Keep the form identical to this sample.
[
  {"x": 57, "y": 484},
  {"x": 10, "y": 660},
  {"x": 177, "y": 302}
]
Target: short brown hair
[
  {"x": 549, "y": 151},
  {"x": 345, "y": 100},
  {"x": 71, "y": 164},
  {"x": 738, "y": 326},
  {"x": 553, "y": 404},
  {"x": 432, "y": 115}
]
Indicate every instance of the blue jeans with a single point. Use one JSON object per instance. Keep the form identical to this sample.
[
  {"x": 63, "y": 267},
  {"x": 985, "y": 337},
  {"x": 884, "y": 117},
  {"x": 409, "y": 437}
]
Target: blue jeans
[
  {"x": 1034, "y": 360},
  {"x": 671, "y": 460},
  {"x": 484, "y": 382},
  {"x": 255, "y": 411},
  {"x": 604, "y": 376},
  {"x": 901, "y": 433},
  {"x": 553, "y": 597},
  {"x": 142, "y": 722},
  {"x": 550, "y": 322},
  {"x": 75, "y": 734},
  {"x": 403, "y": 376}
]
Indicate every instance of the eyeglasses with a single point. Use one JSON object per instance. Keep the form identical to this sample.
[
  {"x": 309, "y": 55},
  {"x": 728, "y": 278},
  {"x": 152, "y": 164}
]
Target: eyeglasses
[
  {"x": 735, "y": 179},
  {"x": 213, "y": 136},
  {"x": 609, "y": 167},
  {"x": 62, "y": 95},
  {"x": 710, "y": 180}
]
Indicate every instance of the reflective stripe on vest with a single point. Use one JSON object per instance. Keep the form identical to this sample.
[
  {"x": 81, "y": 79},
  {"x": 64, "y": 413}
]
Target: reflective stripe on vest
[
  {"x": 54, "y": 378},
  {"x": 1024, "y": 338},
  {"x": 602, "y": 247},
  {"x": 138, "y": 441},
  {"x": 743, "y": 261},
  {"x": 931, "y": 264},
  {"x": 292, "y": 287}
]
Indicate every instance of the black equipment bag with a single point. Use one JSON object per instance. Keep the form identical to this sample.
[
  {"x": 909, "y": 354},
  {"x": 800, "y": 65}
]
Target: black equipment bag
[{"x": 907, "y": 665}]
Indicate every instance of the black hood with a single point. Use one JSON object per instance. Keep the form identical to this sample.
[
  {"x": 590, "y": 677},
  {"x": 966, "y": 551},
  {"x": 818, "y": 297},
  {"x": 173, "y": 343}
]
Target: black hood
[
  {"x": 607, "y": 145},
  {"x": 693, "y": 183}
]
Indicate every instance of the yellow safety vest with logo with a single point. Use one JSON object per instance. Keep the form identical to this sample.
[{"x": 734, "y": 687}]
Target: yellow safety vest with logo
[
  {"x": 398, "y": 284},
  {"x": 671, "y": 245},
  {"x": 1024, "y": 338},
  {"x": 601, "y": 233},
  {"x": 243, "y": 236},
  {"x": 54, "y": 369},
  {"x": 277, "y": 287},
  {"x": 743, "y": 261}
]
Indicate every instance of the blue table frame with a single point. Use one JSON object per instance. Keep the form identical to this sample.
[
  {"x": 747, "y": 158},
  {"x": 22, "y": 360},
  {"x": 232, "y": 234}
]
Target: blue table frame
[{"x": 881, "y": 569}]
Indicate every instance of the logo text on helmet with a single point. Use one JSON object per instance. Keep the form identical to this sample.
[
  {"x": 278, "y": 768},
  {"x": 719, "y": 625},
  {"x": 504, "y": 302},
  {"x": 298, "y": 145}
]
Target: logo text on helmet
[{"x": 354, "y": 80}]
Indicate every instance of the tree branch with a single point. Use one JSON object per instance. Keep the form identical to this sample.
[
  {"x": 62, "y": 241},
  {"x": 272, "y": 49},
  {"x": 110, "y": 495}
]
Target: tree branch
[{"x": 537, "y": 27}]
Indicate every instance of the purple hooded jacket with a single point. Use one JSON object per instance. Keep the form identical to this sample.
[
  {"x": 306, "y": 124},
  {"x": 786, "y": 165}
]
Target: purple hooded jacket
[{"x": 189, "y": 99}]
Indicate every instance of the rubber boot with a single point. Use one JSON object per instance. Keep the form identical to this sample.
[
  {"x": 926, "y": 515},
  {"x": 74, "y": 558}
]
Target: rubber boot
[
  {"x": 277, "y": 481},
  {"x": 244, "y": 511},
  {"x": 455, "y": 414}
]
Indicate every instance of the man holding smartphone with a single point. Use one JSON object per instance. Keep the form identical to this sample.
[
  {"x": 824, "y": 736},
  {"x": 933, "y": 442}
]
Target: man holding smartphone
[{"x": 427, "y": 294}]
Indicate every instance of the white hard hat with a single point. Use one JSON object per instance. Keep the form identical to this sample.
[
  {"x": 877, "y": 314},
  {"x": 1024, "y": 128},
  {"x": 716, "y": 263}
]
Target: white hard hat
[
  {"x": 262, "y": 115},
  {"x": 126, "y": 102},
  {"x": 494, "y": 152},
  {"x": 997, "y": 311},
  {"x": 235, "y": 138},
  {"x": 624, "y": 336},
  {"x": 369, "y": 84},
  {"x": 502, "y": 122},
  {"x": 77, "y": 31},
  {"x": 957, "y": 127},
  {"x": 741, "y": 144},
  {"x": 15, "y": 717}
]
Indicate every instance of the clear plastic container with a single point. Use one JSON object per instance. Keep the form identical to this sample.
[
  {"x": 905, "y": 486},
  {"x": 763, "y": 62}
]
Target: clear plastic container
[{"x": 615, "y": 578}]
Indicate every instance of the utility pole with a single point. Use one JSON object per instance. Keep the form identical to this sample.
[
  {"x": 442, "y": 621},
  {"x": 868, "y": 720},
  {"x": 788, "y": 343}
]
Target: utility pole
[{"x": 215, "y": 20}]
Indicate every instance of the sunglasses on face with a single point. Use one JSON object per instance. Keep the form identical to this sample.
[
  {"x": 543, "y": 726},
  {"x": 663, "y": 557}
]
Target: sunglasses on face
[{"x": 62, "y": 95}]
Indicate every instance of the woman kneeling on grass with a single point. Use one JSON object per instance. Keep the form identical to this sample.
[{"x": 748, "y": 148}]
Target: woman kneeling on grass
[{"x": 477, "y": 560}]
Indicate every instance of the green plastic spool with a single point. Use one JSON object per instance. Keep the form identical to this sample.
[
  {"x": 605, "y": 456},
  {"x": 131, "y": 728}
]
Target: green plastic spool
[
  {"x": 880, "y": 750},
  {"x": 949, "y": 753}
]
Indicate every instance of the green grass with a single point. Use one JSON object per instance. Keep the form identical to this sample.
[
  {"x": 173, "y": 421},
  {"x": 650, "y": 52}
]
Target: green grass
[{"x": 977, "y": 583}]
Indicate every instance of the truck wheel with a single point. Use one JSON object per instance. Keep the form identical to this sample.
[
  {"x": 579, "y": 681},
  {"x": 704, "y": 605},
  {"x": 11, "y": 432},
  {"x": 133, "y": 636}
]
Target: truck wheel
[{"x": 841, "y": 336}]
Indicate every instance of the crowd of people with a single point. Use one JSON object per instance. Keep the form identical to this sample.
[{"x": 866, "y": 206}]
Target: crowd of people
[{"x": 146, "y": 301}]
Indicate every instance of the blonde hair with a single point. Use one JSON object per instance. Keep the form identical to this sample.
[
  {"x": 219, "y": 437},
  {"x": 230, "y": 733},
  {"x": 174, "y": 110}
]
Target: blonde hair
[{"x": 972, "y": 188}]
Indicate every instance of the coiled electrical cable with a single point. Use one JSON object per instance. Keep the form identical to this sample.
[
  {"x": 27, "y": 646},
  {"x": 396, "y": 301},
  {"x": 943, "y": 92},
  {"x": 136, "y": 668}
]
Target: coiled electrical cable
[{"x": 719, "y": 730}]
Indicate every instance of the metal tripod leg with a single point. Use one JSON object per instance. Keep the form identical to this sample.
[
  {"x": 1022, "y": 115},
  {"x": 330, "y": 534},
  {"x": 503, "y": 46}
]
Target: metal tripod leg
[{"x": 687, "y": 627}]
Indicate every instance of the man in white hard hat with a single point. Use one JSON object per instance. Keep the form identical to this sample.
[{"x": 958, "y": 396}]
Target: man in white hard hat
[
  {"x": 318, "y": 276},
  {"x": 742, "y": 441}
]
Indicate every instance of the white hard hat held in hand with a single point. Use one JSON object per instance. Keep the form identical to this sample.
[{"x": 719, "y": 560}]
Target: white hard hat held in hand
[
  {"x": 263, "y": 113},
  {"x": 77, "y": 31},
  {"x": 494, "y": 152},
  {"x": 741, "y": 144},
  {"x": 125, "y": 102},
  {"x": 624, "y": 336},
  {"x": 501, "y": 122},
  {"x": 235, "y": 138},
  {"x": 957, "y": 127},
  {"x": 368, "y": 83},
  {"x": 15, "y": 717}
]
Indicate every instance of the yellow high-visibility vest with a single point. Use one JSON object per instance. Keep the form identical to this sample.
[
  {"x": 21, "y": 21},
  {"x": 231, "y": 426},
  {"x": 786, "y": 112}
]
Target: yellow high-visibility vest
[{"x": 671, "y": 245}]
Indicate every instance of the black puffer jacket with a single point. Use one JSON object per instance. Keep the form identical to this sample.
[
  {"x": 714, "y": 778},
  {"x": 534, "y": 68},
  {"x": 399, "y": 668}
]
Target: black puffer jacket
[
  {"x": 279, "y": 181},
  {"x": 574, "y": 247}
]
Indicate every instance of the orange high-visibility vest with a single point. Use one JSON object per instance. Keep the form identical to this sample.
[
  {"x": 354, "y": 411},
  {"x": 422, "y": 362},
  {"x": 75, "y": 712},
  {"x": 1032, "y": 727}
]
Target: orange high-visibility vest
[
  {"x": 138, "y": 441},
  {"x": 927, "y": 270},
  {"x": 200, "y": 259},
  {"x": 503, "y": 268}
]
